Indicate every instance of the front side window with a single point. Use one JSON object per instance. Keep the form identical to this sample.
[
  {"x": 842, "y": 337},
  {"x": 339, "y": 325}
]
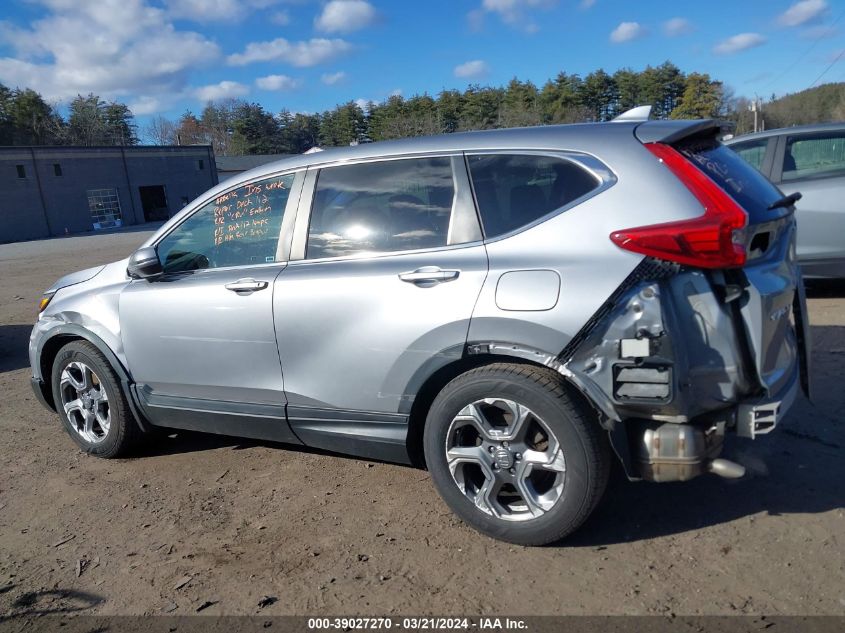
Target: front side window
[
  {"x": 514, "y": 190},
  {"x": 814, "y": 156},
  {"x": 385, "y": 206},
  {"x": 238, "y": 228},
  {"x": 752, "y": 152}
]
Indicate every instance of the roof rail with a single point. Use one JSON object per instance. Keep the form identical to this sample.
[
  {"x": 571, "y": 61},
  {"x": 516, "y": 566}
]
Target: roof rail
[{"x": 640, "y": 113}]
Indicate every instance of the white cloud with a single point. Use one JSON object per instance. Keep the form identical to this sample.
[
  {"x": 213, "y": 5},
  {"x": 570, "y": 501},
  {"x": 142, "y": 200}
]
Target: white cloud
[
  {"x": 626, "y": 32},
  {"x": 803, "y": 12},
  {"x": 343, "y": 16},
  {"x": 215, "y": 10},
  {"x": 277, "y": 82},
  {"x": 676, "y": 27},
  {"x": 306, "y": 53},
  {"x": 113, "y": 48},
  {"x": 739, "y": 42},
  {"x": 515, "y": 13},
  {"x": 148, "y": 105},
  {"x": 281, "y": 18},
  {"x": 474, "y": 69},
  {"x": 221, "y": 90},
  {"x": 331, "y": 79},
  {"x": 587, "y": 4},
  {"x": 362, "y": 103}
]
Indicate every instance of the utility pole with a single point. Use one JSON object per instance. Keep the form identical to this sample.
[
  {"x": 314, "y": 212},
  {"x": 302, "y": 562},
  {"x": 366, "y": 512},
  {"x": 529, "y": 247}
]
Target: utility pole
[{"x": 757, "y": 106}]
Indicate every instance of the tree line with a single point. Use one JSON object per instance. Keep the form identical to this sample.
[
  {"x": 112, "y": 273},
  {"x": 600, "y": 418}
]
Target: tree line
[
  {"x": 236, "y": 127},
  {"x": 27, "y": 119}
]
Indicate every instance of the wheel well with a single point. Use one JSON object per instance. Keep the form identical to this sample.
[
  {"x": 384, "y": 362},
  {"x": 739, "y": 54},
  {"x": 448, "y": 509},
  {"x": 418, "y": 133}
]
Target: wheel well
[
  {"x": 48, "y": 355},
  {"x": 433, "y": 385}
]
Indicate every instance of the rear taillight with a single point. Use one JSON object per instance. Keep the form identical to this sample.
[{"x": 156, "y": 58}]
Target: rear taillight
[{"x": 713, "y": 240}]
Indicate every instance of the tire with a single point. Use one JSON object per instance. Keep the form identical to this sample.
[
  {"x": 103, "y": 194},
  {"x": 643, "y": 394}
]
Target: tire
[
  {"x": 98, "y": 417},
  {"x": 563, "y": 475}
]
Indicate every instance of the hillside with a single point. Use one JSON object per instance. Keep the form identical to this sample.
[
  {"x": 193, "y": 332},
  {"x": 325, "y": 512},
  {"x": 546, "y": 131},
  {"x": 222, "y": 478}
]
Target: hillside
[{"x": 817, "y": 105}]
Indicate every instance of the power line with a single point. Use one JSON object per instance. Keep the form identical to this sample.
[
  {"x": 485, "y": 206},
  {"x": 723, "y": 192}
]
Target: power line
[
  {"x": 806, "y": 52},
  {"x": 838, "y": 57}
]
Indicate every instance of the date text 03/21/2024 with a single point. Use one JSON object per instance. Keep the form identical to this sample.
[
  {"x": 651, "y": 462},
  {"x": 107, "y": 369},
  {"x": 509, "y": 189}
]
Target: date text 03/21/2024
[{"x": 417, "y": 623}]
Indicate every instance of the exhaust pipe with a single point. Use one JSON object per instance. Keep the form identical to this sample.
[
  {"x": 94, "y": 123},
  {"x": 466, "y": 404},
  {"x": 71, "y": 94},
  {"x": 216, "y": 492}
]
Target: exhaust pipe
[{"x": 726, "y": 468}]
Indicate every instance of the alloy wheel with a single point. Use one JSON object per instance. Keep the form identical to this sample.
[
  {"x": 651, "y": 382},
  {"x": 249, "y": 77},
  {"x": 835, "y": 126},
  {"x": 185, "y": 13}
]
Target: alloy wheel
[
  {"x": 85, "y": 402},
  {"x": 505, "y": 459}
]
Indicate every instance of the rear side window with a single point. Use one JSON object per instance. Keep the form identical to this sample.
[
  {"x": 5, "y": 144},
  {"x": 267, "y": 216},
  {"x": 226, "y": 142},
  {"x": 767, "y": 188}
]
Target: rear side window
[
  {"x": 514, "y": 190},
  {"x": 814, "y": 156},
  {"x": 752, "y": 152},
  {"x": 384, "y": 206},
  {"x": 751, "y": 190}
]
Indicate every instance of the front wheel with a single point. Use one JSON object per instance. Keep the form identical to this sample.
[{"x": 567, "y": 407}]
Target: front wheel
[
  {"x": 90, "y": 402},
  {"x": 514, "y": 455}
]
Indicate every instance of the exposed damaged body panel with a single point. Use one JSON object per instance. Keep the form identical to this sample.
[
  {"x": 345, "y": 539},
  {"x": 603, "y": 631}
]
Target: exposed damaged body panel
[{"x": 666, "y": 351}]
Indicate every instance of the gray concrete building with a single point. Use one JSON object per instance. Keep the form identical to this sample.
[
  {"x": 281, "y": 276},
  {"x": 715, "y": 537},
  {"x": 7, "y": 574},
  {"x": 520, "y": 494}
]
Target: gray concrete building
[{"x": 49, "y": 191}]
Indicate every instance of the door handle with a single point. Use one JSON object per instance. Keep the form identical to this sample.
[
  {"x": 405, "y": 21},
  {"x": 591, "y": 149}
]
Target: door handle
[
  {"x": 429, "y": 275},
  {"x": 246, "y": 285}
]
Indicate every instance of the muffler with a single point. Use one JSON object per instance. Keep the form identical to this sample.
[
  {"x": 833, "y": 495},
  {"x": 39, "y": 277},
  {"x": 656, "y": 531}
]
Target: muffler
[{"x": 679, "y": 452}]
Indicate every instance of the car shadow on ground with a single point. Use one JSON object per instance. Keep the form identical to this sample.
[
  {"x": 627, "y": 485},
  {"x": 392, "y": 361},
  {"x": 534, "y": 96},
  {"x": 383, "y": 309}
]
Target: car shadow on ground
[
  {"x": 14, "y": 343},
  {"x": 52, "y": 602}
]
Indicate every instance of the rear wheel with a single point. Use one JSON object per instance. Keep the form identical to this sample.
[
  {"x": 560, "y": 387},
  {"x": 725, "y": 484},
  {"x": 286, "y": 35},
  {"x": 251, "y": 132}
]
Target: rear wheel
[
  {"x": 90, "y": 402},
  {"x": 514, "y": 455}
]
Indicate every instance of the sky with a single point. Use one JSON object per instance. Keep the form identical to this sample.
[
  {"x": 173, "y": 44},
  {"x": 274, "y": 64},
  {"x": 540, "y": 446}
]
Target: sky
[{"x": 166, "y": 56}]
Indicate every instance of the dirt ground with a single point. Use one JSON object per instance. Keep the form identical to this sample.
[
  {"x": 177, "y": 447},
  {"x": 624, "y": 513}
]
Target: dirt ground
[{"x": 199, "y": 518}]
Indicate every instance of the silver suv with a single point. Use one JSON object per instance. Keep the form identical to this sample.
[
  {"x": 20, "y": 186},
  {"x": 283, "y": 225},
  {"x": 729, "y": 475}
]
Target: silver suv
[{"x": 508, "y": 308}]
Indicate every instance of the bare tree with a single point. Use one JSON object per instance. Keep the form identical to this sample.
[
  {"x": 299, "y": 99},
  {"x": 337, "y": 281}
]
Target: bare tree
[{"x": 160, "y": 131}]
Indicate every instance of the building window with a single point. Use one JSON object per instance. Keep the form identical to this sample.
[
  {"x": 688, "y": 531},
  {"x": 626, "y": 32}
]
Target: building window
[
  {"x": 21, "y": 171},
  {"x": 57, "y": 169},
  {"x": 200, "y": 164},
  {"x": 104, "y": 206}
]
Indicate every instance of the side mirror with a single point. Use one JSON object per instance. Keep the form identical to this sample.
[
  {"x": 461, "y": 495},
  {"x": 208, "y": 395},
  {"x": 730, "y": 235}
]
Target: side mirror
[{"x": 144, "y": 264}]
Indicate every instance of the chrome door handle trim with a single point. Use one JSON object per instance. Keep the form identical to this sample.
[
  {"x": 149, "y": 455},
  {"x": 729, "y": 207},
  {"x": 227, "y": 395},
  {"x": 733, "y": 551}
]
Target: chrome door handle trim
[
  {"x": 246, "y": 285},
  {"x": 430, "y": 275}
]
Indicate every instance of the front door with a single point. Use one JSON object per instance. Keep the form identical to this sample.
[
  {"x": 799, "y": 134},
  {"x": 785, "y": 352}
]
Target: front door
[
  {"x": 390, "y": 267},
  {"x": 200, "y": 341}
]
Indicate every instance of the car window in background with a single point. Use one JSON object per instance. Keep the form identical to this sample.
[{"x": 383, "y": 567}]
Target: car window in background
[
  {"x": 383, "y": 206},
  {"x": 238, "y": 228},
  {"x": 514, "y": 190},
  {"x": 752, "y": 152},
  {"x": 814, "y": 155}
]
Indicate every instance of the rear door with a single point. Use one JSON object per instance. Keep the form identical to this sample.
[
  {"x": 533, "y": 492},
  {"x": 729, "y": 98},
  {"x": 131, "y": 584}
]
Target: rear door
[
  {"x": 386, "y": 266},
  {"x": 814, "y": 164}
]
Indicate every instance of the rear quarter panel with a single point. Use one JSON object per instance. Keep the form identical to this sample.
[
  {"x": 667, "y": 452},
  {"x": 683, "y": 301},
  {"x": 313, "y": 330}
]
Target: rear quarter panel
[{"x": 576, "y": 245}]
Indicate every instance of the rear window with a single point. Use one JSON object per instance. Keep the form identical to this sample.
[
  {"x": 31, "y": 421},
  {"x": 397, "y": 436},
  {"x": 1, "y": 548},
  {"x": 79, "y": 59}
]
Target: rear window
[
  {"x": 751, "y": 190},
  {"x": 814, "y": 156},
  {"x": 514, "y": 190}
]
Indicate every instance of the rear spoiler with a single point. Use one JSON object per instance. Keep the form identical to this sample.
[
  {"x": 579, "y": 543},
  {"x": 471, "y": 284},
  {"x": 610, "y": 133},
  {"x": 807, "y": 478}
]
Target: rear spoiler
[{"x": 671, "y": 131}]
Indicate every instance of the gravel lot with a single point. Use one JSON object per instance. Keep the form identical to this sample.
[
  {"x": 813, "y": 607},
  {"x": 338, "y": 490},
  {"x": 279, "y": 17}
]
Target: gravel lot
[{"x": 199, "y": 518}]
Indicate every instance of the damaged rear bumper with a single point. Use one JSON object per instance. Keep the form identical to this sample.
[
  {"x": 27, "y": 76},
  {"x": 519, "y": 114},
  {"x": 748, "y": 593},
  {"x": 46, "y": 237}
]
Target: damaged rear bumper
[{"x": 670, "y": 366}]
